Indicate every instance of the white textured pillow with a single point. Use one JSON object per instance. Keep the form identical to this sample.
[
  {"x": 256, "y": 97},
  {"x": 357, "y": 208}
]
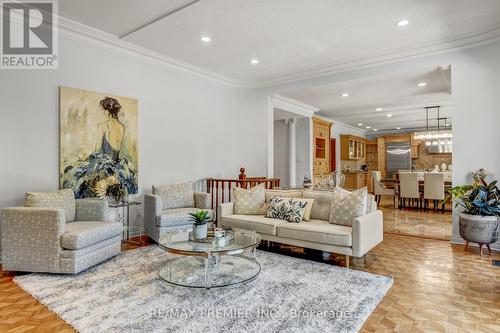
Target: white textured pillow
[
  {"x": 250, "y": 202},
  {"x": 347, "y": 206}
]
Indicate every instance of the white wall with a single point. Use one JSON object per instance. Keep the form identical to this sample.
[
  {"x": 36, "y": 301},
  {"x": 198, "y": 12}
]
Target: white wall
[
  {"x": 281, "y": 153},
  {"x": 475, "y": 85},
  {"x": 303, "y": 149},
  {"x": 189, "y": 127}
]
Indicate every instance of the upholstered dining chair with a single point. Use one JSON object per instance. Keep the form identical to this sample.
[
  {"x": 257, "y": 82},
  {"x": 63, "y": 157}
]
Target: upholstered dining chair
[
  {"x": 380, "y": 190},
  {"x": 54, "y": 233},
  {"x": 408, "y": 188},
  {"x": 434, "y": 189}
]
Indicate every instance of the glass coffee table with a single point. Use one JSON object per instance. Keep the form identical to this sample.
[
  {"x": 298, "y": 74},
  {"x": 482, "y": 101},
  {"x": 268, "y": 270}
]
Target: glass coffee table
[{"x": 211, "y": 262}]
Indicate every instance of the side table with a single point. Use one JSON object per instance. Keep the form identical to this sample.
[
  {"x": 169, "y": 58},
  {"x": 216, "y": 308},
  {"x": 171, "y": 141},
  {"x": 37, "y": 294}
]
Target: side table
[{"x": 125, "y": 205}]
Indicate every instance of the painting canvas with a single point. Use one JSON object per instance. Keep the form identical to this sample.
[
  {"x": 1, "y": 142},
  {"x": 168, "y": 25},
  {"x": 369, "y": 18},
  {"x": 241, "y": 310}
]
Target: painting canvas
[{"x": 98, "y": 142}]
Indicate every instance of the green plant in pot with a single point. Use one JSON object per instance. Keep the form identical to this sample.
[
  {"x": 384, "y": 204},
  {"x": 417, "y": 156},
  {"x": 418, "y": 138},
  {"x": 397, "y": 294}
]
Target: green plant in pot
[
  {"x": 200, "y": 219},
  {"x": 479, "y": 222}
]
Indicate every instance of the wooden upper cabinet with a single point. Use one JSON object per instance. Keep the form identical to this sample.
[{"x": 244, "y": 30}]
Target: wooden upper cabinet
[
  {"x": 321, "y": 146},
  {"x": 352, "y": 147}
]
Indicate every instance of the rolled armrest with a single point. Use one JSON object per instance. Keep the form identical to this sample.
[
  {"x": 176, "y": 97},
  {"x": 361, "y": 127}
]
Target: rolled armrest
[
  {"x": 202, "y": 200},
  {"x": 92, "y": 210},
  {"x": 225, "y": 209},
  {"x": 30, "y": 236},
  {"x": 367, "y": 232}
]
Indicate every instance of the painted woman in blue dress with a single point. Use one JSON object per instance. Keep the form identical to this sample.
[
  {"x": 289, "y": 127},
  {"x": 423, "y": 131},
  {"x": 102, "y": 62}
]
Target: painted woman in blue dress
[{"x": 108, "y": 161}]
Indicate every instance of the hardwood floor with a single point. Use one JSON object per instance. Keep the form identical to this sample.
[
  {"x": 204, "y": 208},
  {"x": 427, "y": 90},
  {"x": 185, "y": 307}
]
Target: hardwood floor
[
  {"x": 437, "y": 287},
  {"x": 416, "y": 222}
]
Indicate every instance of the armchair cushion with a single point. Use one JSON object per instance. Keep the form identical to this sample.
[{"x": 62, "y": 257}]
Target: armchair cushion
[
  {"x": 79, "y": 235},
  {"x": 92, "y": 210},
  {"x": 202, "y": 200},
  {"x": 62, "y": 199},
  {"x": 175, "y": 195},
  {"x": 178, "y": 216}
]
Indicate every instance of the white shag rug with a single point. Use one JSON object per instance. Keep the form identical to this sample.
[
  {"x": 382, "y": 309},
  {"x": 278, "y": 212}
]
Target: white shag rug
[{"x": 124, "y": 294}]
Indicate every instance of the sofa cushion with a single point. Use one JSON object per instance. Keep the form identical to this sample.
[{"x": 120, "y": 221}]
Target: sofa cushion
[
  {"x": 250, "y": 202},
  {"x": 283, "y": 194},
  {"x": 178, "y": 216},
  {"x": 287, "y": 209},
  {"x": 175, "y": 195},
  {"x": 257, "y": 223},
  {"x": 317, "y": 231},
  {"x": 322, "y": 204},
  {"x": 347, "y": 206},
  {"x": 79, "y": 235},
  {"x": 62, "y": 199}
]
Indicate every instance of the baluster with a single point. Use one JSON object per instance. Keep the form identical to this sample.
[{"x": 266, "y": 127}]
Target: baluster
[{"x": 223, "y": 186}]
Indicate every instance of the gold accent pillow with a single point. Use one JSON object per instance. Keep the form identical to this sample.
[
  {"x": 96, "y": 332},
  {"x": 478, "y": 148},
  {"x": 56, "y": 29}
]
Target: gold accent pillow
[{"x": 250, "y": 202}]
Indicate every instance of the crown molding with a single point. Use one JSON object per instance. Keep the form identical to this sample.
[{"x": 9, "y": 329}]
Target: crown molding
[
  {"x": 95, "y": 37},
  {"x": 83, "y": 33},
  {"x": 293, "y": 105}
]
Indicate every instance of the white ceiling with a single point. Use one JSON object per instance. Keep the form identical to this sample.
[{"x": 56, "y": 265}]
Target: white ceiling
[
  {"x": 291, "y": 38},
  {"x": 396, "y": 93}
]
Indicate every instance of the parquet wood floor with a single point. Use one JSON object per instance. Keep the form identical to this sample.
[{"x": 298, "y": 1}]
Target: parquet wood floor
[{"x": 437, "y": 288}]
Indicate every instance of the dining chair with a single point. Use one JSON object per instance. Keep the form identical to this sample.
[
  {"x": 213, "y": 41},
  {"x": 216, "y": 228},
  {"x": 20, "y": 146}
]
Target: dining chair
[
  {"x": 434, "y": 189},
  {"x": 408, "y": 189},
  {"x": 379, "y": 189}
]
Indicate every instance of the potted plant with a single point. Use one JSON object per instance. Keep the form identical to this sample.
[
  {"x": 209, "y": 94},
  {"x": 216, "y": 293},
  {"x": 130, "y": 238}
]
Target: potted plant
[
  {"x": 479, "y": 222},
  {"x": 200, "y": 219}
]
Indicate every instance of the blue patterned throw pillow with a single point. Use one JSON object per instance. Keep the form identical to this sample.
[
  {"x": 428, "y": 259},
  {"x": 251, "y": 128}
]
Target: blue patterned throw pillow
[{"x": 287, "y": 209}]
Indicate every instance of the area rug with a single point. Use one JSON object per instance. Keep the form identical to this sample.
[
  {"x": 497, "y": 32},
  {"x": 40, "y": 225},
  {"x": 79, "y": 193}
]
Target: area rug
[{"x": 125, "y": 294}]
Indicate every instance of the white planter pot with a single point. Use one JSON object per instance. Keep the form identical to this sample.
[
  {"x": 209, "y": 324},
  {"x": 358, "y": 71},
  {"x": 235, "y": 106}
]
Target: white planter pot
[{"x": 200, "y": 231}]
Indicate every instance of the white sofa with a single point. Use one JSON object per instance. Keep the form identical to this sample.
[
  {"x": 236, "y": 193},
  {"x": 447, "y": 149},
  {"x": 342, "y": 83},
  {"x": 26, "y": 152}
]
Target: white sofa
[{"x": 366, "y": 231}]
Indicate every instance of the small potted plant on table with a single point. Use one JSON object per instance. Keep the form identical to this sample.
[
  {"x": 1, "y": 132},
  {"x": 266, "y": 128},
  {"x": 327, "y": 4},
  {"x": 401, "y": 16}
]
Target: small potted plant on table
[
  {"x": 479, "y": 222},
  {"x": 200, "y": 219}
]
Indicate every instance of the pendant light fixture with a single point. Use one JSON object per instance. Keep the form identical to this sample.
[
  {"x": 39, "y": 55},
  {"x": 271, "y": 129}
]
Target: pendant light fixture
[{"x": 440, "y": 136}]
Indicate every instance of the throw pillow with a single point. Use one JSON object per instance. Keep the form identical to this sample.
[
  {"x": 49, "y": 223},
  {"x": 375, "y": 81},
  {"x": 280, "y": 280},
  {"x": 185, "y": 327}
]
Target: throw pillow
[
  {"x": 62, "y": 199},
  {"x": 308, "y": 209},
  {"x": 322, "y": 204},
  {"x": 287, "y": 209},
  {"x": 347, "y": 206},
  {"x": 175, "y": 195},
  {"x": 250, "y": 202}
]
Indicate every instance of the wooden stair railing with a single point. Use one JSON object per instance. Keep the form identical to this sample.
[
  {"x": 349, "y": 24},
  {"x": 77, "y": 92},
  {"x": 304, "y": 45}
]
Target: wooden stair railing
[{"x": 221, "y": 190}]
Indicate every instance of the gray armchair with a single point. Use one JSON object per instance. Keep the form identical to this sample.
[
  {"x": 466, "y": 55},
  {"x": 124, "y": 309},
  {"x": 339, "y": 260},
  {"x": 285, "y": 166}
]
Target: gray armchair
[
  {"x": 58, "y": 234},
  {"x": 168, "y": 207}
]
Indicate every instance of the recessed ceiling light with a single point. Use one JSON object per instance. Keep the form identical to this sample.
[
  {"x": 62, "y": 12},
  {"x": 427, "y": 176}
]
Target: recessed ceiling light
[
  {"x": 205, "y": 39},
  {"x": 375, "y": 129},
  {"x": 254, "y": 61},
  {"x": 388, "y": 115},
  {"x": 360, "y": 124},
  {"x": 398, "y": 128},
  {"x": 379, "y": 109},
  {"x": 344, "y": 95},
  {"x": 402, "y": 23},
  {"x": 368, "y": 127},
  {"x": 422, "y": 84}
]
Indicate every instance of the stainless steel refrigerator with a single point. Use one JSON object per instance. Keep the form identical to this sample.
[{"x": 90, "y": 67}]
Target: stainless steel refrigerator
[{"x": 398, "y": 157}]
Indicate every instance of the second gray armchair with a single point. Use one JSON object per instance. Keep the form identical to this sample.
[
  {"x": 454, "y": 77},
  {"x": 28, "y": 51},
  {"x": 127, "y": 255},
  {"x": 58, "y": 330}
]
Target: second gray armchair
[{"x": 168, "y": 207}]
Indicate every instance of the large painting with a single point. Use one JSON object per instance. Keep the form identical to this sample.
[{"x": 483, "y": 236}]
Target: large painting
[{"x": 98, "y": 142}]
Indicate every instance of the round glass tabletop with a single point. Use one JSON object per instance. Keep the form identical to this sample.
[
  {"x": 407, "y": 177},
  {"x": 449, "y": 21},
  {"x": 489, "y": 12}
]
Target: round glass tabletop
[{"x": 210, "y": 262}]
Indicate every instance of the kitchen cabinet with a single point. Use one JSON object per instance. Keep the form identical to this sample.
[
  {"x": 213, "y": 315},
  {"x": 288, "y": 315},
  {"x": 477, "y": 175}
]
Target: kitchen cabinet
[
  {"x": 352, "y": 147},
  {"x": 321, "y": 146},
  {"x": 355, "y": 180}
]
